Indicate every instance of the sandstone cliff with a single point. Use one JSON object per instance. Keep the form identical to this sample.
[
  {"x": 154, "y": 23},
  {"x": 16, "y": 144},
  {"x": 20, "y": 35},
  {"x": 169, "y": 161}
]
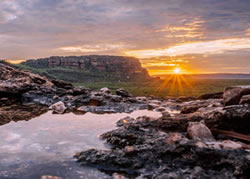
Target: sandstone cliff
[{"x": 91, "y": 68}]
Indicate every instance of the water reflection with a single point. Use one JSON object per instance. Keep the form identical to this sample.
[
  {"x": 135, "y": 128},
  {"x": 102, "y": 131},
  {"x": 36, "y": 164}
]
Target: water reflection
[{"x": 46, "y": 144}]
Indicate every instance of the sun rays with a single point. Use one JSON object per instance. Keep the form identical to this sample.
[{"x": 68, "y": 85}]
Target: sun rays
[{"x": 177, "y": 84}]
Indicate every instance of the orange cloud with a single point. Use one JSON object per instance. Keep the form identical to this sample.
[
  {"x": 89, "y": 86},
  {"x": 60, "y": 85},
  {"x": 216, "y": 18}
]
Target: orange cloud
[
  {"x": 205, "y": 48},
  {"x": 188, "y": 30}
]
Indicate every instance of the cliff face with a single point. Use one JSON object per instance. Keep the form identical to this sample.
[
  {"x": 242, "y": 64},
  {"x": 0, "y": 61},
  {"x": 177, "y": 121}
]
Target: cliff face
[{"x": 102, "y": 67}]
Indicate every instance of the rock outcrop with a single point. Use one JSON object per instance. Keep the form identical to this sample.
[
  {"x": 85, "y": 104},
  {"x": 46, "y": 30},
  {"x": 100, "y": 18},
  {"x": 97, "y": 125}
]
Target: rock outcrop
[
  {"x": 193, "y": 139},
  {"x": 19, "y": 88},
  {"x": 232, "y": 95},
  {"x": 143, "y": 148},
  {"x": 90, "y": 68}
]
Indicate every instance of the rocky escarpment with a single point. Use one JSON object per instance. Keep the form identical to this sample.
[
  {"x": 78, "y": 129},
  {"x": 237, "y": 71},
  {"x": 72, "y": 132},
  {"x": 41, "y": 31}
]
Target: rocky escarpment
[{"x": 90, "y": 68}]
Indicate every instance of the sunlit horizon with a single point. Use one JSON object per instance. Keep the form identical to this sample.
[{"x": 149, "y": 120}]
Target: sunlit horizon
[{"x": 203, "y": 38}]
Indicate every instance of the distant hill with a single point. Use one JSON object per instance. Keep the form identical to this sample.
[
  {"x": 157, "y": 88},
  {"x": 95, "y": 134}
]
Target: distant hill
[{"x": 91, "y": 68}]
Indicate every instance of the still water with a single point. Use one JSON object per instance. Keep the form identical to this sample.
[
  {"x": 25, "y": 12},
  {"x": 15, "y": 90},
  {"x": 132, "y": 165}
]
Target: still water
[{"x": 45, "y": 145}]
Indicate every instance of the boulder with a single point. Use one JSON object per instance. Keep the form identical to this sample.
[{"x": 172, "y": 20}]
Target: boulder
[
  {"x": 62, "y": 84},
  {"x": 58, "y": 107},
  {"x": 199, "y": 131},
  {"x": 124, "y": 121},
  {"x": 232, "y": 95},
  {"x": 232, "y": 118},
  {"x": 123, "y": 93},
  {"x": 105, "y": 90},
  {"x": 245, "y": 99},
  {"x": 218, "y": 95}
]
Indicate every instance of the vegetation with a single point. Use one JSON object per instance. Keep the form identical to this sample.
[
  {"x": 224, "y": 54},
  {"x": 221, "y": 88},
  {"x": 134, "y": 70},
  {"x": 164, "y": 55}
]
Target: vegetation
[
  {"x": 189, "y": 87},
  {"x": 175, "y": 85}
]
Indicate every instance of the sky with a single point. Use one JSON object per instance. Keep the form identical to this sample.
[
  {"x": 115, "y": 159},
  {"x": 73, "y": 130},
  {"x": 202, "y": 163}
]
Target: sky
[{"x": 196, "y": 36}]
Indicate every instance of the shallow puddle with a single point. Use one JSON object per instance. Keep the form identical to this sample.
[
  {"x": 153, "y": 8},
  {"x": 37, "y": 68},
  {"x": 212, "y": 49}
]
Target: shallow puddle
[{"x": 46, "y": 144}]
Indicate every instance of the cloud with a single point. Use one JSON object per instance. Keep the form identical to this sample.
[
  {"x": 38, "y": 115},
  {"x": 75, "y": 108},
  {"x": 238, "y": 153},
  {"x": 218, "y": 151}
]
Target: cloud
[
  {"x": 94, "y": 48},
  {"x": 39, "y": 28},
  {"x": 207, "y": 47},
  {"x": 191, "y": 29}
]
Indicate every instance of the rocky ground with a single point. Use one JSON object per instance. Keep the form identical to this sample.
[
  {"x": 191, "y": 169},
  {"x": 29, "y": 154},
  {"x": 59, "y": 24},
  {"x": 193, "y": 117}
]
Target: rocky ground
[{"x": 205, "y": 137}]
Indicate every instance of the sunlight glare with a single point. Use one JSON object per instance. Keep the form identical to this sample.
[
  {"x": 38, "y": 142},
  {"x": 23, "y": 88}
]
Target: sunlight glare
[{"x": 177, "y": 70}]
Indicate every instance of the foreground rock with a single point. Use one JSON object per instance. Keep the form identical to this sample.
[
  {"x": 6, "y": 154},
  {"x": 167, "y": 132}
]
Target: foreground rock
[
  {"x": 58, "y": 107},
  {"x": 182, "y": 144},
  {"x": 199, "y": 131},
  {"x": 24, "y": 88},
  {"x": 143, "y": 147},
  {"x": 232, "y": 95}
]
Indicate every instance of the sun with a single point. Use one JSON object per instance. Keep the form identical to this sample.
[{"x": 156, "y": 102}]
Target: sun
[{"x": 177, "y": 70}]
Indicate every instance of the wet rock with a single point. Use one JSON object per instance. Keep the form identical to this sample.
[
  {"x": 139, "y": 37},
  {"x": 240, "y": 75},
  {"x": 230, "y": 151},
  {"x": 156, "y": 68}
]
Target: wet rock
[
  {"x": 58, "y": 107},
  {"x": 232, "y": 95},
  {"x": 124, "y": 121},
  {"x": 123, "y": 93},
  {"x": 199, "y": 131}
]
